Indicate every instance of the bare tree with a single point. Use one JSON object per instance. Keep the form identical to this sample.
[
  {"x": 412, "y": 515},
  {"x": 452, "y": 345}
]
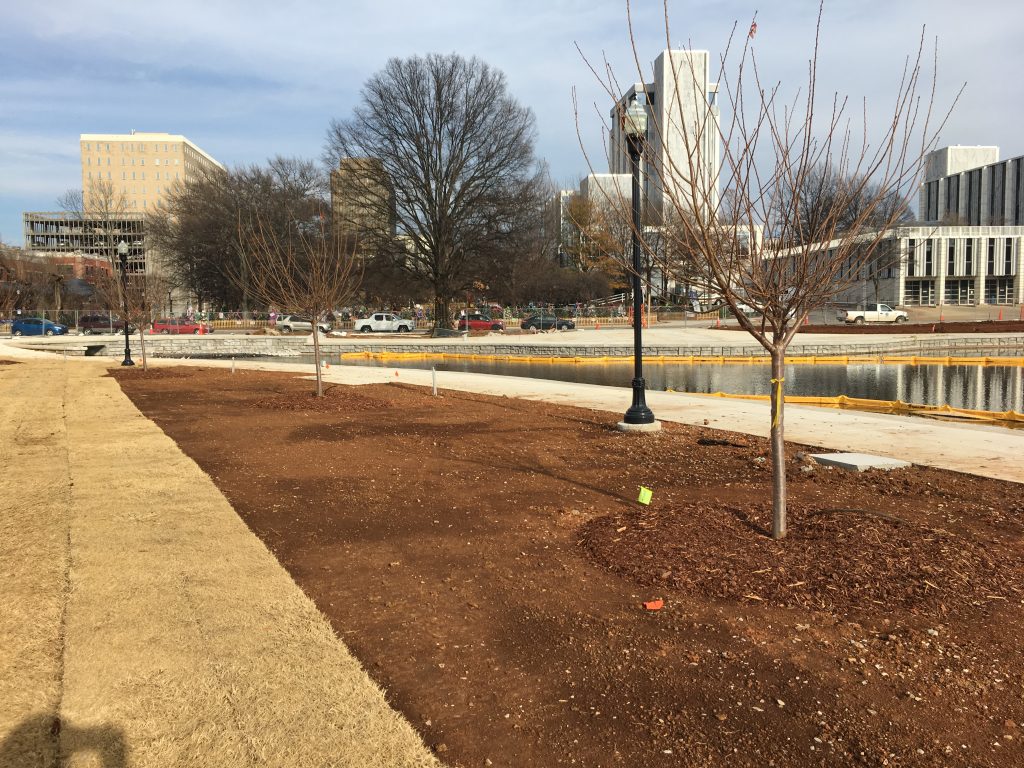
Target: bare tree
[
  {"x": 598, "y": 237},
  {"x": 310, "y": 271},
  {"x": 440, "y": 157},
  {"x": 754, "y": 242},
  {"x": 12, "y": 281},
  {"x": 104, "y": 215},
  {"x": 196, "y": 227},
  {"x": 137, "y": 298}
]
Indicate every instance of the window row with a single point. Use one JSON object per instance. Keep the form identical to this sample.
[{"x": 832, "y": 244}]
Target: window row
[{"x": 962, "y": 256}]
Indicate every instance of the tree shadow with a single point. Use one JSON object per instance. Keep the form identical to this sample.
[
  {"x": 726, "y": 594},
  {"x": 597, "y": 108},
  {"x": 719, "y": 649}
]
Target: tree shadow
[
  {"x": 45, "y": 740},
  {"x": 744, "y": 519}
]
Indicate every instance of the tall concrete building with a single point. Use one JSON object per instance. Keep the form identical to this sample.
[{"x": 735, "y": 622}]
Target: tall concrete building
[
  {"x": 142, "y": 167},
  {"x": 970, "y": 186},
  {"x": 683, "y": 148},
  {"x": 362, "y": 198}
]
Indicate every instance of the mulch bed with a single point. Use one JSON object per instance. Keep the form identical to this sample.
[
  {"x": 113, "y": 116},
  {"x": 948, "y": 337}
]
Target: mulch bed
[{"x": 487, "y": 561}]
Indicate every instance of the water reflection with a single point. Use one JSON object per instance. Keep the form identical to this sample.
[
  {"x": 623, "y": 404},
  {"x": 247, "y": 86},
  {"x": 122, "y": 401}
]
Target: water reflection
[{"x": 961, "y": 386}]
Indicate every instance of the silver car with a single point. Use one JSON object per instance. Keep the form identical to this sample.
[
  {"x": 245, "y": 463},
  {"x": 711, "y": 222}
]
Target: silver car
[{"x": 290, "y": 323}]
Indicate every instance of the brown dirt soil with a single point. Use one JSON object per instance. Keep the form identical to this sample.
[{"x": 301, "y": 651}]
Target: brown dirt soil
[
  {"x": 487, "y": 561},
  {"x": 979, "y": 326}
]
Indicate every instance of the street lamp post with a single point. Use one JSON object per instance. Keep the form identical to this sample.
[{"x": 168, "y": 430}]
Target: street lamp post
[
  {"x": 122, "y": 254},
  {"x": 639, "y": 417}
]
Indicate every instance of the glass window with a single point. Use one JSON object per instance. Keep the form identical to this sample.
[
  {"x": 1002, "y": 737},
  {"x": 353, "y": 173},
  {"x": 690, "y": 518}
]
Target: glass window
[
  {"x": 951, "y": 257},
  {"x": 1008, "y": 257},
  {"x": 969, "y": 256}
]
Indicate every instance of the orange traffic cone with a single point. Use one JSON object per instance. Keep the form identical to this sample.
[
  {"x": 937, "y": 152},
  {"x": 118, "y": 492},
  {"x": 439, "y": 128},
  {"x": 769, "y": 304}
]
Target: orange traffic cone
[
  {"x": 1000, "y": 315},
  {"x": 597, "y": 326}
]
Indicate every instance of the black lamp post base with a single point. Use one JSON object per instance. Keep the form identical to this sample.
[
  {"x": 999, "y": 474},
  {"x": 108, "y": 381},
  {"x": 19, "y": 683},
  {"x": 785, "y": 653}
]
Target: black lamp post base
[
  {"x": 127, "y": 361},
  {"x": 639, "y": 418}
]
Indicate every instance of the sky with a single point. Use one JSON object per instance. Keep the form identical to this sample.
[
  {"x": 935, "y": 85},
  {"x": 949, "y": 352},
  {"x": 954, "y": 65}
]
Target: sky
[{"x": 246, "y": 80}]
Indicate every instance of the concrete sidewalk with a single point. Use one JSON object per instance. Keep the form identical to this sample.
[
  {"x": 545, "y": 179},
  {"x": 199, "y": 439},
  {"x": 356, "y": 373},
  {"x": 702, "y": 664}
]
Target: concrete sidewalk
[{"x": 143, "y": 623}]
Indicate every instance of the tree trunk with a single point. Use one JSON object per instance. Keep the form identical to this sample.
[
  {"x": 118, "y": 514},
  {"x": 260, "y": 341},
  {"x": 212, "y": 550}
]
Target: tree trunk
[
  {"x": 316, "y": 356},
  {"x": 441, "y": 319},
  {"x": 142, "y": 344},
  {"x": 778, "y": 445}
]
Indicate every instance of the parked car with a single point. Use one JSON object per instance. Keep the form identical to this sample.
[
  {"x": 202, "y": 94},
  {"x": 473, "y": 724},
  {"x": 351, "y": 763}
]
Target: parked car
[
  {"x": 102, "y": 324},
  {"x": 289, "y": 323},
  {"x": 481, "y": 322},
  {"x": 544, "y": 322},
  {"x": 180, "y": 325},
  {"x": 37, "y": 326},
  {"x": 381, "y": 322},
  {"x": 875, "y": 313}
]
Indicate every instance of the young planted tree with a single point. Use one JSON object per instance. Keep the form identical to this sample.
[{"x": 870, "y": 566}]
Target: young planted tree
[
  {"x": 309, "y": 270},
  {"x": 432, "y": 168},
  {"x": 755, "y": 238},
  {"x": 137, "y": 298}
]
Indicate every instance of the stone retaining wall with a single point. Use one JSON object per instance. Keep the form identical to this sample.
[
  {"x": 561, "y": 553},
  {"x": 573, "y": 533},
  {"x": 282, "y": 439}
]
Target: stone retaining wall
[{"x": 298, "y": 346}]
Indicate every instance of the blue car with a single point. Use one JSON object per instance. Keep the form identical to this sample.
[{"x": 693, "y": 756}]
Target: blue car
[{"x": 37, "y": 326}]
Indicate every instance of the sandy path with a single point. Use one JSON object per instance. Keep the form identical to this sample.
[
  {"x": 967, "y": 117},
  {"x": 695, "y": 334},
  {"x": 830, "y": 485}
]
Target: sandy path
[{"x": 142, "y": 615}]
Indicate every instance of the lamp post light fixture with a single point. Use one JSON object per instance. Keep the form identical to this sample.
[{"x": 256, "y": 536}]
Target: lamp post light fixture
[
  {"x": 122, "y": 254},
  {"x": 639, "y": 417}
]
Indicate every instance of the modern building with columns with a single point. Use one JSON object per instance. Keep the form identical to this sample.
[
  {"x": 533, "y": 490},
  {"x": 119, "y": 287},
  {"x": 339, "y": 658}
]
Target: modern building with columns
[{"x": 968, "y": 245}]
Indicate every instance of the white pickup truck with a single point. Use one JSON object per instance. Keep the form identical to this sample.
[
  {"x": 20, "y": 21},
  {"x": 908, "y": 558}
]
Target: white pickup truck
[
  {"x": 383, "y": 322},
  {"x": 874, "y": 313}
]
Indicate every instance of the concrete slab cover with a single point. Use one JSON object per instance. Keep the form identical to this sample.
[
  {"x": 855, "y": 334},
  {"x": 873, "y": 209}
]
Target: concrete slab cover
[{"x": 858, "y": 462}]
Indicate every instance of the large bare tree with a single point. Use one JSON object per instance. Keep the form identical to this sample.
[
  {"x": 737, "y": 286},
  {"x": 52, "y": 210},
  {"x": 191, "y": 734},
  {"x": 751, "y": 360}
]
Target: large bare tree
[
  {"x": 749, "y": 230},
  {"x": 434, "y": 166}
]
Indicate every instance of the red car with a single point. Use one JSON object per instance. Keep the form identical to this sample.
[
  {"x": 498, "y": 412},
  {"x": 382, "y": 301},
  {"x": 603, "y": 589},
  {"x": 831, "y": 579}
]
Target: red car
[
  {"x": 478, "y": 322},
  {"x": 180, "y": 325}
]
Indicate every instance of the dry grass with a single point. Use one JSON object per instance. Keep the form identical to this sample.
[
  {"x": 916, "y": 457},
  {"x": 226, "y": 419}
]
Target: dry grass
[
  {"x": 186, "y": 642},
  {"x": 34, "y": 509}
]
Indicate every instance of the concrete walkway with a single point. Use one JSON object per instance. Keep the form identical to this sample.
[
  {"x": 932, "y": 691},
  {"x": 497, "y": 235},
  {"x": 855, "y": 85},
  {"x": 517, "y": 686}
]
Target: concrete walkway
[{"x": 143, "y": 624}]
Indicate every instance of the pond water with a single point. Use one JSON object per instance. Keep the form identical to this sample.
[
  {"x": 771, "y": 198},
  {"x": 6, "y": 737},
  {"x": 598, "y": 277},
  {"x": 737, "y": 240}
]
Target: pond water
[{"x": 986, "y": 388}]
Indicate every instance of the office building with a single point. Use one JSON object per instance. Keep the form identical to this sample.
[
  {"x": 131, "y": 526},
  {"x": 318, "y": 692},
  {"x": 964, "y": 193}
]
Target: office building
[
  {"x": 136, "y": 170},
  {"x": 683, "y": 155},
  {"x": 970, "y": 186},
  {"x": 363, "y": 198}
]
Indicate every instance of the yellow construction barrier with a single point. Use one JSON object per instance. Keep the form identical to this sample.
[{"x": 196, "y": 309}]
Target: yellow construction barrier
[{"x": 1007, "y": 418}]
